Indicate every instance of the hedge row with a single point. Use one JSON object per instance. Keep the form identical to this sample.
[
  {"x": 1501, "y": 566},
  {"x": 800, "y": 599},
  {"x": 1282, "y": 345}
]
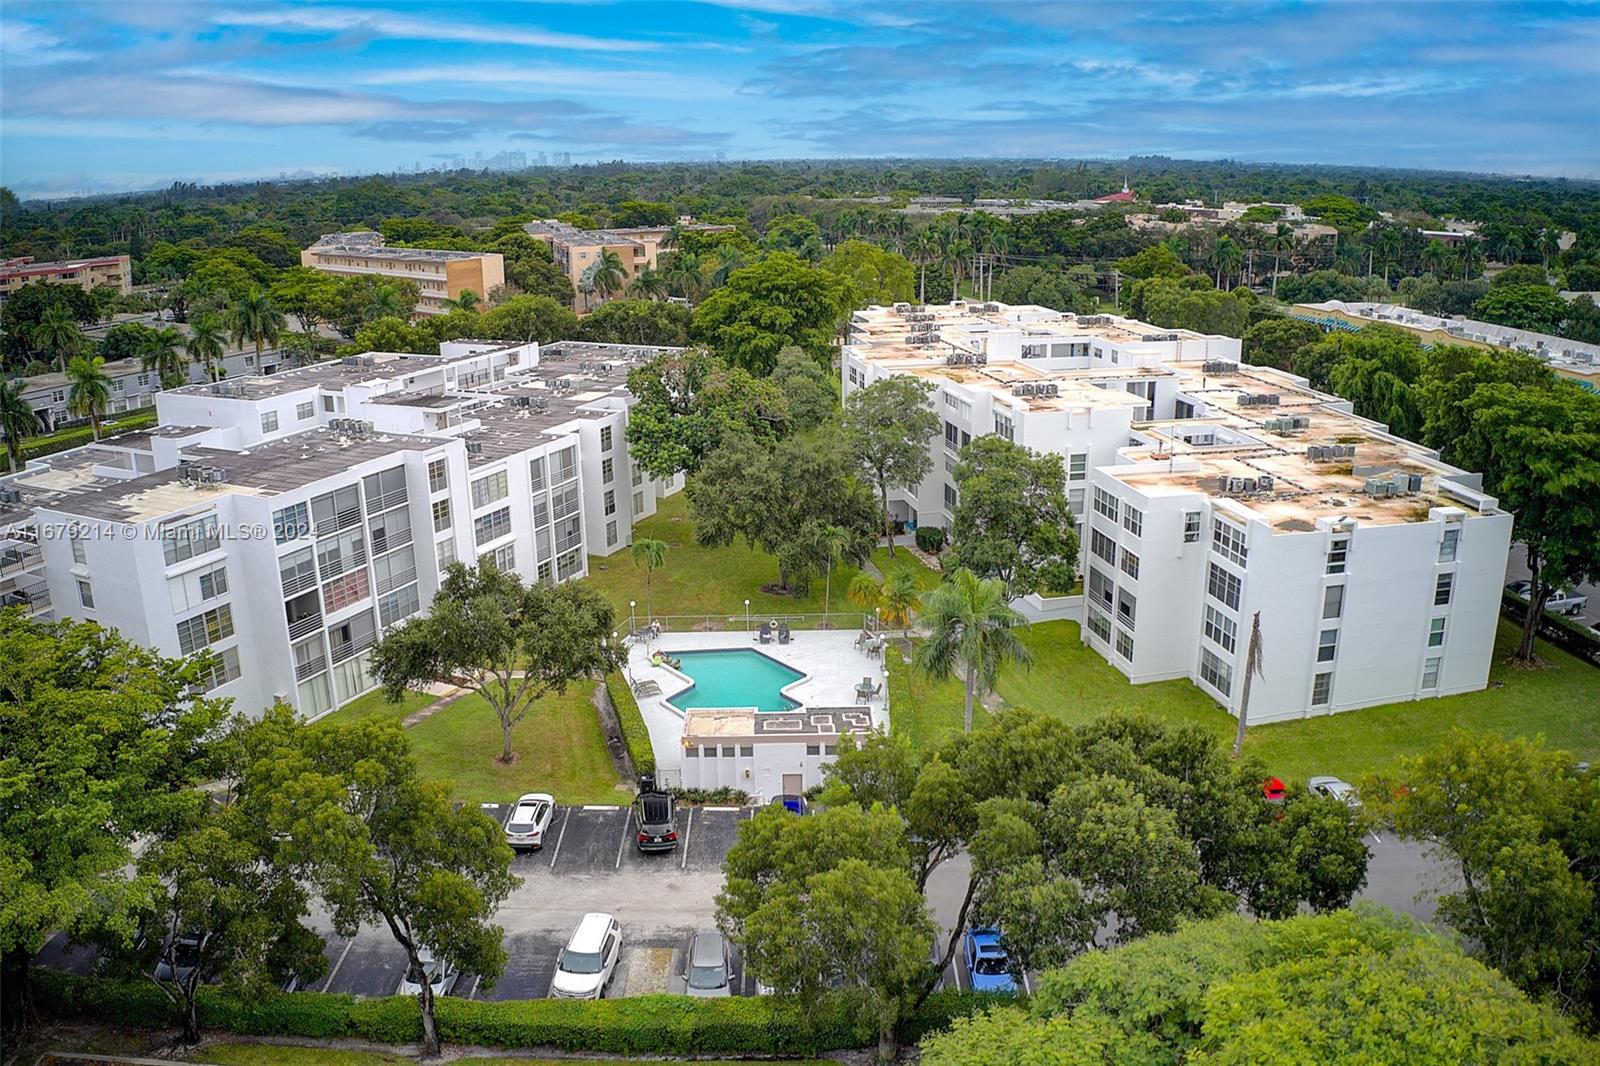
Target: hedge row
[
  {"x": 634, "y": 733},
  {"x": 78, "y": 436},
  {"x": 1557, "y": 629},
  {"x": 665, "y": 1025}
]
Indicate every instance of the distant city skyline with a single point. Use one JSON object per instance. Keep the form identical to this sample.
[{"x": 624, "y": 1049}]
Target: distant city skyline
[{"x": 101, "y": 98}]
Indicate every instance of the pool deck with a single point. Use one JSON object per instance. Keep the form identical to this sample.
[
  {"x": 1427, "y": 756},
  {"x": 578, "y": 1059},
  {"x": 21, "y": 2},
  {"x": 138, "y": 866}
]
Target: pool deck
[{"x": 828, "y": 657}]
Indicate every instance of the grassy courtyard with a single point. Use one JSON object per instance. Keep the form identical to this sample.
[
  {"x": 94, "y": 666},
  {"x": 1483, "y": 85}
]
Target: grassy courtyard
[
  {"x": 715, "y": 582},
  {"x": 560, "y": 747},
  {"x": 1072, "y": 682}
]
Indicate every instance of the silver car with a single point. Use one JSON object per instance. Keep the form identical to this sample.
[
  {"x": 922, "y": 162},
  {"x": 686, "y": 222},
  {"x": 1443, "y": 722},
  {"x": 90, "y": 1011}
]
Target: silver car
[
  {"x": 1335, "y": 788},
  {"x": 708, "y": 967},
  {"x": 529, "y": 819},
  {"x": 437, "y": 972}
]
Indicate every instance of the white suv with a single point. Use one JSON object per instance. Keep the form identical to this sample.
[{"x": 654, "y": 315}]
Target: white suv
[{"x": 588, "y": 962}]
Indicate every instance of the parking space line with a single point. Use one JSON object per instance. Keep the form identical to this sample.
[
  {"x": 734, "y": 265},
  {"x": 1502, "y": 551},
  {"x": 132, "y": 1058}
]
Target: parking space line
[
  {"x": 1026, "y": 987},
  {"x": 626, "y": 823},
  {"x": 475, "y": 979},
  {"x": 565, "y": 817},
  {"x": 335, "y": 971},
  {"x": 601, "y": 807},
  {"x": 724, "y": 808},
  {"x": 688, "y": 827}
]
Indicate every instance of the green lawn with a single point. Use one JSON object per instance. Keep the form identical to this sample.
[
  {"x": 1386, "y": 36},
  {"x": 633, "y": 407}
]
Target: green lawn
[
  {"x": 560, "y": 747},
  {"x": 284, "y": 1055},
  {"x": 715, "y": 582},
  {"x": 1074, "y": 683}
]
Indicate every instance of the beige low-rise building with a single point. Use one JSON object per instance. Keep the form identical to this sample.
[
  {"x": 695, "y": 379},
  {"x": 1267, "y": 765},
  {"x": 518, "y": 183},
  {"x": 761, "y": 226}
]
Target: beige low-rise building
[
  {"x": 441, "y": 275},
  {"x": 86, "y": 274},
  {"x": 578, "y": 252}
]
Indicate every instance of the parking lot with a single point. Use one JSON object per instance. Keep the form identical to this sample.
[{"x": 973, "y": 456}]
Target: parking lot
[{"x": 591, "y": 863}]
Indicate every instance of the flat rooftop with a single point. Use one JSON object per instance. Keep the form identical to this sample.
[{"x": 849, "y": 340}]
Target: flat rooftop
[
  {"x": 266, "y": 470},
  {"x": 335, "y": 376},
  {"x": 769, "y": 725},
  {"x": 1272, "y": 437},
  {"x": 565, "y": 233}
]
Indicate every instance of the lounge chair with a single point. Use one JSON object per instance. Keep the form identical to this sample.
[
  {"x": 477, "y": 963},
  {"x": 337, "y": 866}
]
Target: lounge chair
[
  {"x": 765, "y": 635},
  {"x": 783, "y": 632},
  {"x": 647, "y": 688}
]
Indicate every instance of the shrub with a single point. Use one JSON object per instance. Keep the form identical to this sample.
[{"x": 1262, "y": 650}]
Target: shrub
[
  {"x": 634, "y": 733},
  {"x": 930, "y": 539},
  {"x": 726, "y": 796},
  {"x": 78, "y": 436}
]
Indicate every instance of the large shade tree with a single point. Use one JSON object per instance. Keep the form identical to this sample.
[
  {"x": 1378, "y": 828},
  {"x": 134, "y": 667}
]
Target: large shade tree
[
  {"x": 688, "y": 403},
  {"x": 778, "y": 301},
  {"x": 889, "y": 424},
  {"x": 1012, "y": 519},
  {"x": 511, "y": 643}
]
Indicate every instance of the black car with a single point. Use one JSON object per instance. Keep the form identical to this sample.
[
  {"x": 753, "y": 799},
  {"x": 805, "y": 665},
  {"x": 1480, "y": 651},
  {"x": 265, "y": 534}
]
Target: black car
[{"x": 657, "y": 815}]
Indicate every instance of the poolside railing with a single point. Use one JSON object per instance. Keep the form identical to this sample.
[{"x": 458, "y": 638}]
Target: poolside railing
[{"x": 740, "y": 621}]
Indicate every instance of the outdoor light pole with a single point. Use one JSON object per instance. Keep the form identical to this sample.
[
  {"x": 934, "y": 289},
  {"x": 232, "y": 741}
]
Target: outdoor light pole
[
  {"x": 747, "y": 616},
  {"x": 633, "y": 625}
]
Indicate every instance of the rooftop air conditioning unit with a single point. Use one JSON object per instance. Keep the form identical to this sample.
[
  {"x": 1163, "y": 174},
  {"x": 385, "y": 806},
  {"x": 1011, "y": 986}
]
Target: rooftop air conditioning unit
[
  {"x": 474, "y": 447},
  {"x": 1266, "y": 481},
  {"x": 521, "y": 401},
  {"x": 10, "y": 495}
]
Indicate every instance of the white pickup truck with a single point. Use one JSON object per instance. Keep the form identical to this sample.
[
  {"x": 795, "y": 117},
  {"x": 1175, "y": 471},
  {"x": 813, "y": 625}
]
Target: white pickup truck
[{"x": 1561, "y": 601}]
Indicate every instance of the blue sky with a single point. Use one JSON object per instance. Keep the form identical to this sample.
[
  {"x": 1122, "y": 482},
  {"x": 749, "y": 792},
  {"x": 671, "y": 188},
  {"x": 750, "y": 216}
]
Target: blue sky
[{"x": 104, "y": 96}]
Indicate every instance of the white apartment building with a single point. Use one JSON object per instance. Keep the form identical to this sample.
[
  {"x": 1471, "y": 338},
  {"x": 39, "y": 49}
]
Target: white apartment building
[
  {"x": 1207, "y": 492},
  {"x": 284, "y": 522}
]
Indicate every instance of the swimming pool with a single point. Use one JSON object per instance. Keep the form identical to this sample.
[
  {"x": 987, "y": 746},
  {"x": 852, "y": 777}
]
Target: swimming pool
[{"x": 734, "y": 677}]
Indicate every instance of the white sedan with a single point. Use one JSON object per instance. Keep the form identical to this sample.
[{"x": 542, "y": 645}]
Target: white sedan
[
  {"x": 1334, "y": 788},
  {"x": 437, "y": 972},
  {"x": 529, "y": 820}
]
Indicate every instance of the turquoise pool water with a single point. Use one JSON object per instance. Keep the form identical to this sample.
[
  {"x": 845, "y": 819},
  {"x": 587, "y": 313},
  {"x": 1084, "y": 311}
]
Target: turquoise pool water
[{"x": 740, "y": 677}]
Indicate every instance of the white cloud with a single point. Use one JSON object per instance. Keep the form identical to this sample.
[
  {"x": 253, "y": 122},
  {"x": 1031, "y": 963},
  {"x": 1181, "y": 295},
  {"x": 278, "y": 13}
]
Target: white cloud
[
  {"x": 583, "y": 81},
  {"x": 27, "y": 42},
  {"x": 389, "y": 24}
]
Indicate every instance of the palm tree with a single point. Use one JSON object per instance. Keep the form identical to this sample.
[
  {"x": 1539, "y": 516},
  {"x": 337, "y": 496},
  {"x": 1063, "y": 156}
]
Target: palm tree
[
  {"x": 467, "y": 301},
  {"x": 974, "y": 626},
  {"x": 831, "y": 543},
  {"x": 1389, "y": 248},
  {"x": 652, "y": 555},
  {"x": 609, "y": 274},
  {"x": 17, "y": 420},
  {"x": 386, "y": 302},
  {"x": 90, "y": 391},
  {"x": 204, "y": 346},
  {"x": 1470, "y": 256},
  {"x": 254, "y": 318},
  {"x": 924, "y": 246},
  {"x": 895, "y": 599},
  {"x": 685, "y": 274},
  {"x": 1226, "y": 258},
  {"x": 1549, "y": 241},
  {"x": 57, "y": 333},
  {"x": 729, "y": 259},
  {"x": 159, "y": 352},
  {"x": 1435, "y": 257},
  {"x": 648, "y": 284}
]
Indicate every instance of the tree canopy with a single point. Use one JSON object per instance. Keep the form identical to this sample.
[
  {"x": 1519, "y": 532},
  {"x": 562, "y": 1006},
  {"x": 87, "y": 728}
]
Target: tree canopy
[
  {"x": 688, "y": 403},
  {"x": 1012, "y": 520},
  {"x": 779, "y": 301}
]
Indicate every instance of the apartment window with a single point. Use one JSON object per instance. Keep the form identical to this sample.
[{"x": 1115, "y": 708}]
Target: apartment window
[
  {"x": 1220, "y": 629},
  {"x": 1004, "y": 427},
  {"x": 1215, "y": 672},
  {"x": 813, "y": 749},
  {"x": 1227, "y": 540},
  {"x": 1223, "y": 586},
  {"x": 180, "y": 542},
  {"x": 503, "y": 558},
  {"x": 691, "y": 752},
  {"x": 213, "y": 582},
  {"x": 391, "y": 530},
  {"x": 605, "y": 439},
  {"x": 327, "y": 404},
  {"x": 950, "y": 496},
  {"x": 78, "y": 553},
  {"x": 438, "y": 476},
  {"x": 1099, "y": 624},
  {"x": 297, "y": 571},
  {"x": 1075, "y": 502},
  {"x": 446, "y": 551},
  {"x": 1430, "y": 671},
  {"x": 569, "y": 565},
  {"x": 205, "y": 628},
  {"x": 611, "y": 534},
  {"x": 1435, "y": 632},
  {"x": 1077, "y": 466},
  {"x": 269, "y": 422},
  {"x": 536, "y": 474},
  {"x": 1124, "y": 645},
  {"x": 1105, "y": 503},
  {"x": 227, "y": 669},
  {"x": 341, "y": 592},
  {"x": 1443, "y": 586},
  {"x": 1130, "y": 563},
  {"x": 638, "y": 475},
  {"x": 1327, "y": 645},
  {"x": 1103, "y": 546},
  {"x": 402, "y": 603},
  {"x": 1101, "y": 588},
  {"x": 340, "y": 553},
  {"x": 335, "y": 510},
  {"x": 489, "y": 489},
  {"x": 1191, "y": 526},
  {"x": 85, "y": 593},
  {"x": 1448, "y": 545},
  {"x": 1321, "y": 689},
  {"x": 544, "y": 574},
  {"x": 638, "y": 504},
  {"x": 441, "y": 515},
  {"x": 395, "y": 569},
  {"x": 610, "y": 502},
  {"x": 1127, "y": 608},
  {"x": 385, "y": 489},
  {"x": 1333, "y": 601},
  {"x": 608, "y": 471},
  {"x": 1338, "y": 553},
  {"x": 1133, "y": 519},
  {"x": 303, "y": 411},
  {"x": 564, "y": 465},
  {"x": 492, "y": 525}
]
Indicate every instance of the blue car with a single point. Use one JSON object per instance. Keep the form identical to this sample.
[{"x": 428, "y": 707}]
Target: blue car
[{"x": 988, "y": 962}]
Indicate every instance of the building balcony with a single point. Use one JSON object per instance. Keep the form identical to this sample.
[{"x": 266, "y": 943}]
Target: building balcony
[
  {"x": 304, "y": 627},
  {"x": 310, "y": 669},
  {"x": 351, "y": 648}
]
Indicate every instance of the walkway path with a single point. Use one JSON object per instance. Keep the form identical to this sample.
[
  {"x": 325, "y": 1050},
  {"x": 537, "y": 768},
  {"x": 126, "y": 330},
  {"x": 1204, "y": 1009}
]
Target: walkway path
[{"x": 447, "y": 694}]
